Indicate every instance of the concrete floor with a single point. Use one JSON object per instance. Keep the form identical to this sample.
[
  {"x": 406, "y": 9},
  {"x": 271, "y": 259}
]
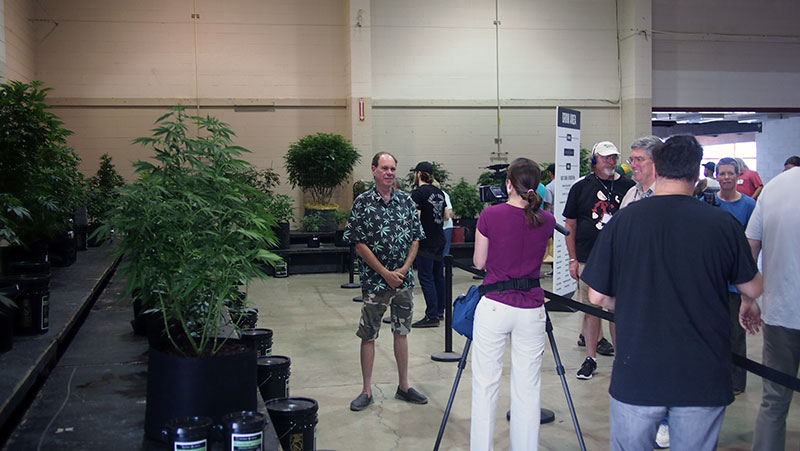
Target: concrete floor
[{"x": 314, "y": 322}]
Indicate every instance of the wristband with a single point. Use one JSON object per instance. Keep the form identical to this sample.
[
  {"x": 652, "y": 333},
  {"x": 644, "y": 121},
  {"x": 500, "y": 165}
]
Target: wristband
[{"x": 573, "y": 260}]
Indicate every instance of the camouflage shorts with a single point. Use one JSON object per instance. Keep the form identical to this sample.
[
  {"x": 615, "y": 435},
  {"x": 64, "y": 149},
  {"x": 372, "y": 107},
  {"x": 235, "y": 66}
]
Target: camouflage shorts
[{"x": 374, "y": 306}]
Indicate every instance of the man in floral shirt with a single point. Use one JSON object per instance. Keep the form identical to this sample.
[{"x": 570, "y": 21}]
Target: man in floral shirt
[{"x": 386, "y": 231}]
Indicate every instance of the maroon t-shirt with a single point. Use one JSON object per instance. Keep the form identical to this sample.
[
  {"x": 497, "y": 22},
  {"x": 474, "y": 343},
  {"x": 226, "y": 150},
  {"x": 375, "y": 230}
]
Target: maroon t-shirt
[{"x": 516, "y": 251}]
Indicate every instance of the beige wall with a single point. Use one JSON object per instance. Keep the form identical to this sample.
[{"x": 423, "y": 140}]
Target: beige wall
[{"x": 19, "y": 41}]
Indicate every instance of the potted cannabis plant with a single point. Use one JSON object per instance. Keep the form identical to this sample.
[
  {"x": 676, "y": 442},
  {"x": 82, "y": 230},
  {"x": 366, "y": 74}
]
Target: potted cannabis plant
[
  {"x": 467, "y": 206},
  {"x": 318, "y": 164},
  {"x": 39, "y": 176},
  {"x": 280, "y": 206},
  {"x": 102, "y": 193},
  {"x": 191, "y": 232}
]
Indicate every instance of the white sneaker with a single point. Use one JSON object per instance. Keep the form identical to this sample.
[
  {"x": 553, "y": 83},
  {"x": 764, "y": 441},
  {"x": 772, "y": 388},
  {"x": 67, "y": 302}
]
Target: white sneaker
[{"x": 662, "y": 437}]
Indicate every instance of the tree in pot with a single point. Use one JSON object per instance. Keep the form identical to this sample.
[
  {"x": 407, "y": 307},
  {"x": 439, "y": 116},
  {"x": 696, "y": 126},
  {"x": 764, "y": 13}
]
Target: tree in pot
[
  {"x": 318, "y": 164},
  {"x": 280, "y": 206},
  {"x": 102, "y": 193},
  {"x": 39, "y": 178},
  {"x": 191, "y": 231},
  {"x": 467, "y": 206},
  {"x": 312, "y": 223}
]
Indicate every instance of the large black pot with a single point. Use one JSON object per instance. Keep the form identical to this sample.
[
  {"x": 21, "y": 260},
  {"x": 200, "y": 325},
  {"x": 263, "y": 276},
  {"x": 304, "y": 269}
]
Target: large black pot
[
  {"x": 281, "y": 231},
  {"x": 36, "y": 252},
  {"x": 198, "y": 386}
]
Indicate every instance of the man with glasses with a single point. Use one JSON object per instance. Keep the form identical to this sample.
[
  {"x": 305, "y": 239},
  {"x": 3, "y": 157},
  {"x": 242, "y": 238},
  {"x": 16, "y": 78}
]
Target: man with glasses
[
  {"x": 641, "y": 162},
  {"x": 590, "y": 204}
]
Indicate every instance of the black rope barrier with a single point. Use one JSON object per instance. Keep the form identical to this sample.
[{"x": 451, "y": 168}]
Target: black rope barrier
[{"x": 786, "y": 380}]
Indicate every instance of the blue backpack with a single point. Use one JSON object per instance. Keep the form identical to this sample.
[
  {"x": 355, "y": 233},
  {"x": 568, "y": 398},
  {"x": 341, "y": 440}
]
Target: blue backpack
[{"x": 465, "y": 304}]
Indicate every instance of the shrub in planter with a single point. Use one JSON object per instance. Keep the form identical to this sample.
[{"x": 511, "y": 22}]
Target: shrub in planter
[
  {"x": 312, "y": 223},
  {"x": 39, "y": 178},
  {"x": 192, "y": 231},
  {"x": 467, "y": 206},
  {"x": 441, "y": 175}
]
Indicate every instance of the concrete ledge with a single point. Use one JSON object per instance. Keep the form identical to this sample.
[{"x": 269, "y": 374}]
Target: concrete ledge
[{"x": 72, "y": 290}]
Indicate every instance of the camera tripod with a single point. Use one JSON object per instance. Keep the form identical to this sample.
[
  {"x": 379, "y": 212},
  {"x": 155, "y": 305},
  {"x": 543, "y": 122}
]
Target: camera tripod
[{"x": 559, "y": 369}]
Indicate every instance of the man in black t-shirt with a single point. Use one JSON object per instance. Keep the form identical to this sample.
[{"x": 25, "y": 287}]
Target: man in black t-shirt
[
  {"x": 430, "y": 207},
  {"x": 663, "y": 265},
  {"x": 590, "y": 204}
]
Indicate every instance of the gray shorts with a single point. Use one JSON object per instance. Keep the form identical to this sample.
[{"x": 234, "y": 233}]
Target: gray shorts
[{"x": 374, "y": 306}]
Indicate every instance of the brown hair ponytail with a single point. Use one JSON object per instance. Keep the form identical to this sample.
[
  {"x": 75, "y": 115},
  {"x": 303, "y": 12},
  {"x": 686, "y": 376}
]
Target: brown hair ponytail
[{"x": 524, "y": 175}]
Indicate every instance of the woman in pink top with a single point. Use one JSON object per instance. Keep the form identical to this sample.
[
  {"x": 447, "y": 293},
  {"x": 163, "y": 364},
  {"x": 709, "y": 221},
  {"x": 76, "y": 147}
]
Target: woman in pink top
[{"x": 510, "y": 242}]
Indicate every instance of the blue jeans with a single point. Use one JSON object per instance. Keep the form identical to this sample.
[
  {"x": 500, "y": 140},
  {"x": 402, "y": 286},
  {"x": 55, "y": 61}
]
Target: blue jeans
[
  {"x": 634, "y": 428},
  {"x": 448, "y": 236},
  {"x": 431, "y": 279}
]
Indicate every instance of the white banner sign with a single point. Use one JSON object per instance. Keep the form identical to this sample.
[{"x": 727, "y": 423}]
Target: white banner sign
[{"x": 568, "y": 158}]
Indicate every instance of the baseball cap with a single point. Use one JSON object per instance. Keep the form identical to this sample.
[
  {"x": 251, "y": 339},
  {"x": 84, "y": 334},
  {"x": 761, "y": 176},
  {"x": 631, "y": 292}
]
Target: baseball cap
[
  {"x": 710, "y": 166},
  {"x": 604, "y": 149},
  {"x": 423, "y": 166}
]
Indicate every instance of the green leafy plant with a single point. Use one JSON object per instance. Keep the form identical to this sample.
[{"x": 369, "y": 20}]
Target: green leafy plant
[
  {"x": 545, "y": 176},
  {"x": 281, "y": 207},
  {"x": 487, "y": 179},
  {"x": 264, "y": 180},
  {"x": 320, "y": 163},
  {"x": 586, "y": 161},
  {"x": 466, "y": 200},
  {"x": 340, "y": 216},
  {"x": 39, "y": 176},
  {"x": 102, "y": 190},
  {"x": 361, "y": 186},
  {"x": 311, "y": 222},
  {"x": 441, "y": 175},
  {"x": 192, "y": 230}
]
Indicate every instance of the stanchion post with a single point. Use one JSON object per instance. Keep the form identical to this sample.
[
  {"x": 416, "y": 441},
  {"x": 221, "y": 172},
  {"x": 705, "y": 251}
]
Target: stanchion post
[
  {"x": 351, "y": 268},
  {"x": 448, "y": 355}
]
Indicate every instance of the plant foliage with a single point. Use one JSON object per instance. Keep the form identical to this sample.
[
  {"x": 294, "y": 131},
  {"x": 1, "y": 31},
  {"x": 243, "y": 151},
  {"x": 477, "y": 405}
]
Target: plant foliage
[
  {"x": 192, "y": 230},
  {"x": 466, "y": 200},
  {"x": 441, "y": 175},
  {"x": 319, "y": 163},
  {"x": 39, "y": 178},
  {"x": 103, "y": 190}
]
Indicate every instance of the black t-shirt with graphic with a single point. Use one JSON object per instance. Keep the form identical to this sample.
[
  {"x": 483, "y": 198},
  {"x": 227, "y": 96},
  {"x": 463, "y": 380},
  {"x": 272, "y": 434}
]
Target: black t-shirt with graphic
[
  {"x": 430, "y": 202},
  {"x": 668, "y": 261},
  {"x": 590, "y": 200}
]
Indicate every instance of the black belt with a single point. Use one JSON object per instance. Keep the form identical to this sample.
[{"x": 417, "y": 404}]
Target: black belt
[{"x": 512, "y": 284}]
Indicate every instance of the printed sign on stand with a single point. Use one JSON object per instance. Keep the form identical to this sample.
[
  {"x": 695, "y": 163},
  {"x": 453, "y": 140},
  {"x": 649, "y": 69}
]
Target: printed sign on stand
[{"x": 568, "y": 159}]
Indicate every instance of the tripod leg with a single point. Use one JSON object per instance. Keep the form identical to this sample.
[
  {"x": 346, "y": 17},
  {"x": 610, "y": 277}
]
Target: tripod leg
[
  {"x": 560, "y": 371},
  {"x": 461, "y": 365}
]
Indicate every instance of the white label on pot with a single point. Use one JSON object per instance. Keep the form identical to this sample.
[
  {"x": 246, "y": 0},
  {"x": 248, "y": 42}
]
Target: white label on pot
[
  {"x": 200, "y": 445},
  {"x": 246, "y": 442}
]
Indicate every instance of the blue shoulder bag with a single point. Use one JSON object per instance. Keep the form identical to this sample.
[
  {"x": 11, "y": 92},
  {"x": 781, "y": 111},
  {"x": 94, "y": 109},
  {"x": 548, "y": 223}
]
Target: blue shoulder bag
[{"x": 465, "y": 304}]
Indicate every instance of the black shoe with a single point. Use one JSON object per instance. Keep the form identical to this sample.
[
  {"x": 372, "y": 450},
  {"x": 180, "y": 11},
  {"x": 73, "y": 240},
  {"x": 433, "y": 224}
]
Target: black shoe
[
  {"x": 411, "y": 396},
  {"x": 605, "y": 348},
  {"x": 427, "y": 322},
  {"x": 581, "y": 341},
  {"x": 361, "y": 402},
  {"x": 588, "y": 369}
]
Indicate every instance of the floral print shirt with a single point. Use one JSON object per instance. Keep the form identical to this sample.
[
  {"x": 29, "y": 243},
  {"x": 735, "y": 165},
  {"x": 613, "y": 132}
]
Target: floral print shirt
[{"x": 388, "y": 229}]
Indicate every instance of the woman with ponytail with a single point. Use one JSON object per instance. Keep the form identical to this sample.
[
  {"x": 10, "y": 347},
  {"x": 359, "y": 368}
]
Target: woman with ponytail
[{"x": 510, "y": 242}]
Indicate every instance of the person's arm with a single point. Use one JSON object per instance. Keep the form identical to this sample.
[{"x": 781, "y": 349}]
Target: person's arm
[
  {"x": 572, "y": 227},
  {"x": 757, "y": 192},
  {"x": 755, "y": 247},
  {"x": 749, "y": 315},
  {"x": 412, "y": 254},
  {"x": 753, "y": 288},
  {"x": 481, "y": 250},
  {"x": 448, "y": 214},
  {"x": 393, "y": 278},
  {"x": 605, "y": 301}
]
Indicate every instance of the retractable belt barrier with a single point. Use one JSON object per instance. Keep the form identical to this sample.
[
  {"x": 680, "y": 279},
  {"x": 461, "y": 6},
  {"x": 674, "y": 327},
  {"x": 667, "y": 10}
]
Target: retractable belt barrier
[{"x": 788, "y": 381}]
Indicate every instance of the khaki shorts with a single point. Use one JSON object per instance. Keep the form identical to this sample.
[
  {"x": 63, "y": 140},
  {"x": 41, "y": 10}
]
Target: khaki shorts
[
  {"x": 582, "y": 292},
  {"x": 374, "y": 306}
]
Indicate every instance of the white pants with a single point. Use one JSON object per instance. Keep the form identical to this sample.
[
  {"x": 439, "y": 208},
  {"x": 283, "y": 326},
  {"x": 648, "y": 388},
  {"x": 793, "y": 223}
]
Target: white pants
[{"x": 494, "y": 324}]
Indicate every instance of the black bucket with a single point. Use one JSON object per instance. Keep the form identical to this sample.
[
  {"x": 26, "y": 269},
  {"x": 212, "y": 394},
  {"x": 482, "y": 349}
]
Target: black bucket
[
  {"x": 273, "y": 377},
  {"x": 245, "y": 319},
  {"x": 244, "y": 431},
  {"x": 258, "y": 339},
  {"x": 295, "y": 422},
  {"x": 29, "y": 267},
  {"x": 33, "y": 305},
  {"x": 189, "y": 433}
]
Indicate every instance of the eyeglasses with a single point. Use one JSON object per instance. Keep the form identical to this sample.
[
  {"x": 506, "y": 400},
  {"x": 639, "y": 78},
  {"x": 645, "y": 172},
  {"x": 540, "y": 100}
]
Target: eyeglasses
[{"x": 639, "y": 160}]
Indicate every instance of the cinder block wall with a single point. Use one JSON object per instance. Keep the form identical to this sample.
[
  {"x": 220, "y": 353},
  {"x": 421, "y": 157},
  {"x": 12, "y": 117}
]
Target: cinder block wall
[{"x": 779, "y": 140}]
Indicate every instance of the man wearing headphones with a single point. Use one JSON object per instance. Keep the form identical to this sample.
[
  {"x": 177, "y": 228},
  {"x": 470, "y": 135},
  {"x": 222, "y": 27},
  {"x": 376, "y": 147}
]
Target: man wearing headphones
[{"x": 590, "y": 204}]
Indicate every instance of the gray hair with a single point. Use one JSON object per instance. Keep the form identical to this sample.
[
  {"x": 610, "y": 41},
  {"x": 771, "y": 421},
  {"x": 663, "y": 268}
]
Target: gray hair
[
  {"x": 742, "y": 165},
  {"x": 648, "y": 143}
]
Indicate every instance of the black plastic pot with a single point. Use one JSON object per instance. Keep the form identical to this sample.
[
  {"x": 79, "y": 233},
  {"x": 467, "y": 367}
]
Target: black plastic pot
[
  {"x": 273, "y": 377},
  {"x": 258, "y": 339},
  {"x": 190, "y": 433},
  {"x": 338, "y": 239},
  {"x": 63, "y": 249},
  {"x": 36, "y": 252},
  {"x": 9, "y": 289},
  {"x": 198, "y": 386},
  {"x": 313, "y": 242},
  {"x": 295, "y": 422},
  {"x": 282, "y": 234},
  {"x": 243, "y": 430},
  {"x": 32, "y": 316}
]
